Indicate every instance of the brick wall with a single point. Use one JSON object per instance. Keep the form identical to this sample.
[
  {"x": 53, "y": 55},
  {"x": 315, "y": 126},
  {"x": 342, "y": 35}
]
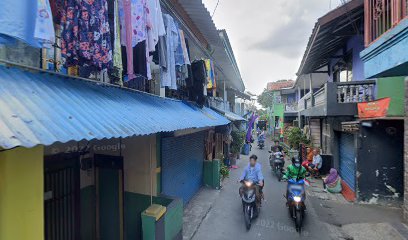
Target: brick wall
[{"x": 405, "y": 207}]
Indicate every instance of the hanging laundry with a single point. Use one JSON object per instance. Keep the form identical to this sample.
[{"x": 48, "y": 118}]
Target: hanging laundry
[
  {"x": 29, "y": 21},
  {"x": 86, "y": 34},
  {"x": 214, "y": 83},
  {"x": 44, "y": 31},
  {"x": 209, "y": 73},
  {"x": 179, "y": 49},
  {"x": 168, "y": 76},
  {"x": 199, "y": 80},
  {"x": 184, "y": 47},
  {"x": 157, "y": 28},
  {"x": 159, "y": 55},
  {"x": 116, "y": 72},
  {"x": 135, "y": 20},
  {"x": 139, "y": 66}
]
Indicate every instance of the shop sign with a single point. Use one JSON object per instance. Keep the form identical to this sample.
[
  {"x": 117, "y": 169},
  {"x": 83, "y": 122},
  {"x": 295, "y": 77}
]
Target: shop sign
[
  {"x": 374, "y": 109},
  {"x": 350, "y": 126}
]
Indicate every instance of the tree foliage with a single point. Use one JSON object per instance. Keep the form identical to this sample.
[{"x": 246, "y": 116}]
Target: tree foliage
[
  {"x": 238, "y": 140},
  {"x": 265, "y": 99}
]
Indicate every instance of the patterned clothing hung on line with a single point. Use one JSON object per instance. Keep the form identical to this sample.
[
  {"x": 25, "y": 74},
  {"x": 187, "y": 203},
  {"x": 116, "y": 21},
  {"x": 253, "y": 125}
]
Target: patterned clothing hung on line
[{"x": 86, "y": 33}]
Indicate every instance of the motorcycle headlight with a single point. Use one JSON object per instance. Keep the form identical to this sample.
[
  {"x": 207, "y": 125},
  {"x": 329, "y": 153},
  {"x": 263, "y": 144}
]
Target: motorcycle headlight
[
  {"x": 297, "y": 198},
  {"x": 248, "y": 184}
]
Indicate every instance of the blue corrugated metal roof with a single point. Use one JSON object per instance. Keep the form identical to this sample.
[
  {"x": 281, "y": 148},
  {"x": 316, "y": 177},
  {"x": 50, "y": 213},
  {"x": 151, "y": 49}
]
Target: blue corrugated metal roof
[{"x": 42, "y": 108}]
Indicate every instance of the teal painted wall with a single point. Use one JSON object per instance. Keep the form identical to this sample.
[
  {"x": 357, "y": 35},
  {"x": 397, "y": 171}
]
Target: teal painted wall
[
  {"x": 88, "y": 213},
  {"x": 136, "y": 203},
  {"x": 392, "y": 87}
]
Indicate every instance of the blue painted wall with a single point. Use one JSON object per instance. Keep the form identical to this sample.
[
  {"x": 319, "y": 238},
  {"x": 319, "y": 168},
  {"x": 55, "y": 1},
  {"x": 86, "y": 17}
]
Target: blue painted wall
[
  {"x": 356, "y": 45},
  {"x": 387, "y": 56}
]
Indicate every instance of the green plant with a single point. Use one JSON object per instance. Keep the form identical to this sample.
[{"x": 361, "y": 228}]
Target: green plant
[
  {"x": 224, "y": 171},
  {"x": 238, "y": 139},
  {"x": 296, "y": 137}
]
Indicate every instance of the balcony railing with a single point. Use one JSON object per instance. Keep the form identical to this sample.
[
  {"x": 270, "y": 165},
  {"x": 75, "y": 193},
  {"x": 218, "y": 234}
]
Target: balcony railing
[
  {"x": 335, "y": 95},
  {"x": 219, "y": 104},
  {"x": 382, "y": 15},
  {"x": 291, "y": 107},
  {"x": 355, "y": 92}
]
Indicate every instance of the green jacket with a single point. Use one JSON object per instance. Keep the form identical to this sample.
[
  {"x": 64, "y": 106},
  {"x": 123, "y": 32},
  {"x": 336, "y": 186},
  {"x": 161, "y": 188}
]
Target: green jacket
[{"x": 293, "y": 172}]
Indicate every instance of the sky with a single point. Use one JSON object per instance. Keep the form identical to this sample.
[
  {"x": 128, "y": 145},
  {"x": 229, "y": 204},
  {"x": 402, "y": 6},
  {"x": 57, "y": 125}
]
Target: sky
[{"x": 268, "y": 37}]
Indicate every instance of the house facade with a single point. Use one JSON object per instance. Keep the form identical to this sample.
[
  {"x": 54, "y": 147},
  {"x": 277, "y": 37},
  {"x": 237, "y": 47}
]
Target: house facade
[
  {"x": 331, "y": 87},
  {"x": 384, "y": 58},
  {"x": 84, "y": 151}
]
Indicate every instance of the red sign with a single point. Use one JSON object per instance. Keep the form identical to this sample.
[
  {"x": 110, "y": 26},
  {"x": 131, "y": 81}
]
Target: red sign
[{"x": 374, "y": 109}]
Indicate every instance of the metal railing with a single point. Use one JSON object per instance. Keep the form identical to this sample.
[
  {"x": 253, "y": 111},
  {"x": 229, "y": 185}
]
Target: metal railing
[
  {"x": 219, "y": 104},
  {"x": 291, "y": 107},
  {"x": 382, "y": 15}
]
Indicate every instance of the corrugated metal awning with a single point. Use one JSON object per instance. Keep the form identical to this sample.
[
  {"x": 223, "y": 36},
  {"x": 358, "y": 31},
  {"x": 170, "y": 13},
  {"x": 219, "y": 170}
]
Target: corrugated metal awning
[
  {"x": 230, "y": 115},
  {"x": 43, "y": 108}
]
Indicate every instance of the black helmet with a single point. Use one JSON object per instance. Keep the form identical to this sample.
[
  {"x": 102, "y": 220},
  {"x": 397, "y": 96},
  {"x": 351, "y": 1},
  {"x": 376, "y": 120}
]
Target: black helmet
[{"x": 295, "y": 160}]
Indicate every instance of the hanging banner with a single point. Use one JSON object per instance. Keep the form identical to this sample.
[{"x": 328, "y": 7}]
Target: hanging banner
[{"x": 374, "y": 109}]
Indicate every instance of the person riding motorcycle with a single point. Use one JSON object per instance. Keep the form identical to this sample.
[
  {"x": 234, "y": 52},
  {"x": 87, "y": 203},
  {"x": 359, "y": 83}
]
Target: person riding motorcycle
[
  {"x": 275, "y": 149},
  {"x": 295, "y": 170},
  {"x": 253, "y": 173}
]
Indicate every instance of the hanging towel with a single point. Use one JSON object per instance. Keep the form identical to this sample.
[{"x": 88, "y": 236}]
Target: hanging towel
[{"x": 28, "y": 21}]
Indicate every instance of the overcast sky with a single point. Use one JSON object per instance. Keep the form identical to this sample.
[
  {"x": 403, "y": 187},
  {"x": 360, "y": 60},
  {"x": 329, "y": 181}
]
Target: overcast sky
[{"x": 268, "y": 37}]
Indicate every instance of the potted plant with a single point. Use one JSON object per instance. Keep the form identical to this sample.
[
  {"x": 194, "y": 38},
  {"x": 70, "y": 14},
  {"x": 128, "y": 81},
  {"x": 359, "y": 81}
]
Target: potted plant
[
  {"x": 295, "y": 137},
  {"x": 238, "y": 139}
]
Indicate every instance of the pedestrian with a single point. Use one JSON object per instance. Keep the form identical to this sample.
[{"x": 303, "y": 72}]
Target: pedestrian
[{"x": 332, "y": 183}]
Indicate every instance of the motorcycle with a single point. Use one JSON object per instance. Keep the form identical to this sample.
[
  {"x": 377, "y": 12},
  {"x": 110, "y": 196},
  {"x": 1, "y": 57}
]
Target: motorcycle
[
  {"x": 261, "y": 143},
  {"x": 277, "y": 161},
  {"x": 296, "y": 202},
  {"x": 249, "y": 207}
]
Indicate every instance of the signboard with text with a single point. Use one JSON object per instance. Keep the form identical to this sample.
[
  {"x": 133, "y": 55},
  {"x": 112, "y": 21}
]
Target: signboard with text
[{"x": 374, "y": 109}]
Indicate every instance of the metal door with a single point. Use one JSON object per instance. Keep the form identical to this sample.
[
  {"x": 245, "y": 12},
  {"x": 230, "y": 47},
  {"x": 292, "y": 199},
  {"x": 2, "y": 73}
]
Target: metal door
[
  {"x": 182, "y": 165},
  {"x": 109, "y": 201},
  {"x": 348, "y": 160},
  {"x": 61, "y": 206}
]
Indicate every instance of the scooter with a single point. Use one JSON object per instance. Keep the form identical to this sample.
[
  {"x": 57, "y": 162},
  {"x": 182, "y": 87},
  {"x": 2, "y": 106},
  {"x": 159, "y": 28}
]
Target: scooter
[
  {"x": 277, "y": 162},
  {"x": 296, "y": 202},
  {"x": 249, "y": 202}
]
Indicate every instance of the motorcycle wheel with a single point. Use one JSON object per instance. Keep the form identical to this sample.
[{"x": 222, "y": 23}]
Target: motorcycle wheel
[
  {"x": 279, "y": 174},
  {"x": 247, "y": 216},
  {"x": 298, "y": 221}
]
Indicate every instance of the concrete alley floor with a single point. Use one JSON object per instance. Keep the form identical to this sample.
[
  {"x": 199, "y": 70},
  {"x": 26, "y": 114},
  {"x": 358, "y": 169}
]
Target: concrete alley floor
[{"x": 217, "y": 214}]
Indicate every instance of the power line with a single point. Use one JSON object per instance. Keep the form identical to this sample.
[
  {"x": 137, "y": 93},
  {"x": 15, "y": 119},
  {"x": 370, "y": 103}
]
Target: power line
[{"x": 216, "y": 6}]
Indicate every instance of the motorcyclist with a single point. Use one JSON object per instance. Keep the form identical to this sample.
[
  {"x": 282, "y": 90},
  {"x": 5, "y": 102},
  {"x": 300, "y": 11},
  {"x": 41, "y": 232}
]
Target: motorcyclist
[
  {"x": 295, "y": 171},
  {"x": 253, "y": 172},
  {"x": 275, "y": 149}
]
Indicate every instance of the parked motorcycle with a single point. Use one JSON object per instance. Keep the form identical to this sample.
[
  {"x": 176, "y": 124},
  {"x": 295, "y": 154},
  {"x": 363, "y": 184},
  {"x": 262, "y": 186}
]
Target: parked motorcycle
[
  {"x": 277, "y": 161},
  {"x": 248, "y": 196},
  {"x": 296, "y": 201}
]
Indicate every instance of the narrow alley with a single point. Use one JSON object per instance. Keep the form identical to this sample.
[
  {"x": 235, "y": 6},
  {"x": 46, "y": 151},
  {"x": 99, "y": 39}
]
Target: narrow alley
[
  {"x": 225, "y": 219},
  {"x": 216, "y": 214}
]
